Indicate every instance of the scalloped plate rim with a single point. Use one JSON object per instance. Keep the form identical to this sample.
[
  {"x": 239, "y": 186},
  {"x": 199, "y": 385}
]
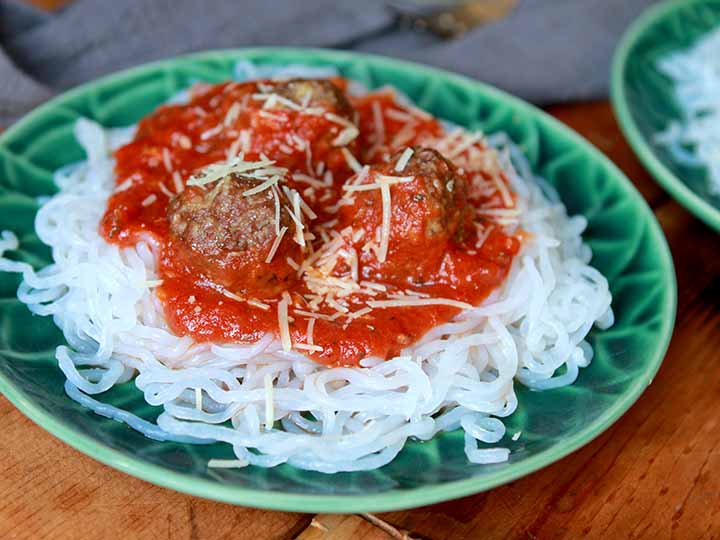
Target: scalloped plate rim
[
  {"x": 687, "y": 197},
  {"x": 393, "y": 499}
]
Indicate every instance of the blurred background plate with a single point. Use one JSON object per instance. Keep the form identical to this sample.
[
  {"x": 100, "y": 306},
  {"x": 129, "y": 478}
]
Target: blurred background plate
[
  {"x": 628, "y": 244},
  {"x": 644, "y": 101}
]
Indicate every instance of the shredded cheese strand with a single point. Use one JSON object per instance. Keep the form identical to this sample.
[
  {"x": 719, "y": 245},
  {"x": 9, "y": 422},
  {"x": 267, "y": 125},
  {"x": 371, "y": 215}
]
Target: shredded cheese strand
[
  {"x": 403, "y": 161},
  {"x": 276, "y": 200},
  {"x": 385, "y": 227},
  {"x": 262, "y": 187},
  {"x": 353, "y": 163},
  {"x": 310, "y": 329},
  {"x": 284, "y": 325},
  {"x": 221, "y": 169},
  {"x": 412, "y": 302},
  {"x": 258, "y": 304},
  {"x": 275, "y": 245}
]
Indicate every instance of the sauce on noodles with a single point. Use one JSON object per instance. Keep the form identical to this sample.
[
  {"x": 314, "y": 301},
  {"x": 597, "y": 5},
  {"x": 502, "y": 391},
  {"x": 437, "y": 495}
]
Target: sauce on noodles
[{"x": 362, "y": 306}]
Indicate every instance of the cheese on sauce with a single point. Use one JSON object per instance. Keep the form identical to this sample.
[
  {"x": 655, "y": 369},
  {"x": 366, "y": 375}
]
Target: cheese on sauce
[
  {"x": 284, "y": 324},
  {"x": 275, "y": 245},
  {"x": 235, "y": 165},
  {"x": 331, "y": 288},
  {"x": 414, "y": 302},
  {"x": 403, "y": 161}
]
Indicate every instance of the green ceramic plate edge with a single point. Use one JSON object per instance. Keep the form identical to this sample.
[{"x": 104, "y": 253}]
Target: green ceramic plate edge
[
  {"x": 392, "y": 499},
  {"x": 665, "y": 177}
]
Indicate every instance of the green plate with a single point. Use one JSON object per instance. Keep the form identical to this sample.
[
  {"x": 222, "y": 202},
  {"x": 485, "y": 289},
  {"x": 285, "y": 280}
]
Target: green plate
[
  {"x": 629, "y": 249},
  {"x": 644, "y": 101}
]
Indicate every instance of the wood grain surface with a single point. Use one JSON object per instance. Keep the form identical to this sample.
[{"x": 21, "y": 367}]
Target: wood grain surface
[{"x": 653, "y": 475}]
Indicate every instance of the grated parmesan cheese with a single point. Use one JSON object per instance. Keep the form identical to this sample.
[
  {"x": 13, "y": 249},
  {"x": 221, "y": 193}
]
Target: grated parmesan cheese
[
  {"x": 347, "y": 135},
  {"x": 385, "y": 227},
  {"x": 360, "y": 313},
  {"x": 292, "y": 194},
  {"x": 468, "y": 139},
  {"x": 210, "y": 133},
  {"x": 184, "y": 142},
  {"x": 150, "y": 199},
  {"x": 299, "y": 227},
  {"x": 361, "y": 187},
  {"x": 399, "y": 116},
  {"x": 375, "y": 286},
  {"x": 403, "y": 161},
  {"x": 167, "y": 160},
  {"x": 169, "y": 194},
  {"x": 412, "y": 302},
  {"x": 310, "y": 329},
  {"x": 499, "y": 212},
  {"x": 483, "y": 235},
  {"x": 232, "y": 114},
  {"x": 285, "y": 149},
  {"x": 235, "y": 165},
  {"x": 276, "y": 201},
  {"x": 335, "y": 304},
  {"x": 232, "y": 295},
  {"x": 127, "y": 184},
  {"x": 262, "y": 187},
  {"x": 305, "y": 313},
  {"x": 379, "y": 123},
  {"x": 284, "y": 325},
  {"x": 177, "y": 181},
  {"x": 272, "y": 100},
  {"x": 235, "y": 147},
  {"x": 291, "y": 262},
  {"x": 270, "y": 116},
  {"x": 353, "y": 163},
  {"x": 503, "y": 190},
  {"x": 304, "y": 178},
  {"x": 258, "y": 304},
  {"x": 275, "y": 245},
  {"x": 308, "y": 347},
  {"x": 390, "y": 180}
]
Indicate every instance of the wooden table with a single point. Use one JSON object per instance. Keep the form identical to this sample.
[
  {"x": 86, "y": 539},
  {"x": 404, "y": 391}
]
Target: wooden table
[{"x": 654, "y": 474}]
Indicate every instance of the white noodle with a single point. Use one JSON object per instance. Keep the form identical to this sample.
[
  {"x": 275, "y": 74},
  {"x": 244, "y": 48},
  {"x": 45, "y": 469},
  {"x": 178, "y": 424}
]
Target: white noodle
[
  {"x": 695, "y": 141},
  {"x": 460, "y": 375}
]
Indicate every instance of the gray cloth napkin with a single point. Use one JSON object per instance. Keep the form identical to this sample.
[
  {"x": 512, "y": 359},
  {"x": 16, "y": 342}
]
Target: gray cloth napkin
[{"x": 544, "y": 51}]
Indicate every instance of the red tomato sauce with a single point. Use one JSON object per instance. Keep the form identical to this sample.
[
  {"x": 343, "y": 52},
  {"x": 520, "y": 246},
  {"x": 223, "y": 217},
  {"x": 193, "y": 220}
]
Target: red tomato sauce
[{"x": 177, "y": 140}]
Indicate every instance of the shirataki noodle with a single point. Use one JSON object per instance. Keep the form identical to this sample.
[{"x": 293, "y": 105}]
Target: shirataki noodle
[{"x": 276, "y": 406}]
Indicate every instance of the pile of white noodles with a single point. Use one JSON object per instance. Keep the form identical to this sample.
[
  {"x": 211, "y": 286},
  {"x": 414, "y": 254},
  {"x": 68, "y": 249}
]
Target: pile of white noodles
[
  {"x": 257, "y": 397},
  {"x": 695, "y": 141}
]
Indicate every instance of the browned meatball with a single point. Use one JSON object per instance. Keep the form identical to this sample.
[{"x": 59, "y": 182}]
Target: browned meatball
[
  {"x": 323, "y": 133},
  {"x": 316, "y": 93},
  {"x": 228, "y": 236},
  {"x": 439, "y": 187},
  {"x": 428, "y": 214}
]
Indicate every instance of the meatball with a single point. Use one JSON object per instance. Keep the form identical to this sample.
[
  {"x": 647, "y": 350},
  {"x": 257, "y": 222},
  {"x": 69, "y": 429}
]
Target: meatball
[
  {"x": 428, "y": 214},
  {"x": 227, "y": 236},
  {"x": 317, "y": 93},
  {"x": 321, "y": 136},
  {"x": 443, "y": 191}
]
